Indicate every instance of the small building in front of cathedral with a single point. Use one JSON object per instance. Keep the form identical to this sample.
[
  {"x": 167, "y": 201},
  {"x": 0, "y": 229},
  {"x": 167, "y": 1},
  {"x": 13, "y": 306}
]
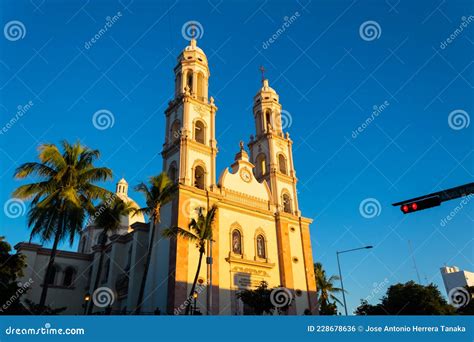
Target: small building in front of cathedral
[{"x": 259, "y": 233}]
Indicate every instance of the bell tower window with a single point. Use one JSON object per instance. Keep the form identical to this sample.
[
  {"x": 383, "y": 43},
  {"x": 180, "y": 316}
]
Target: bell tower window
[
  {"x": 261, "y": 165},
  {"x": 199, "y": 175},
  {"x": 282, "y": 164},
  {"x": 175, "y": 131},
  {"x": 199, "y": 132},
  {"x": 189, "y": 81},
  {"x": 287, "y": 203},
  {"x": 268, "y": 121},
  {"x": 172, "y": 172}
]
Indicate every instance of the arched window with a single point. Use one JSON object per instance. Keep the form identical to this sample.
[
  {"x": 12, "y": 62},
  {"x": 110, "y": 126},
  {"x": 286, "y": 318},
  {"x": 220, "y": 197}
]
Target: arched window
[
  {"x": 287, "y": 203},
  {"x": 200, "y": 86},
  {"x": 261, "y": 252},
  {"x": 282, "y": 164},
  {"x": 129, "y": 258},
  {"x": 68, "y": 276},
  {"x": 268, "y": 120},
  {"x": 172, "y": 172},
  {"x": 261, "y": 164},
  {"x": 199, "y": 177},
  {"x": 258, "y": 123},
  {"x": 175, "y": 132},
  {"x": 189, "y": 81},
  {"x": 51, "y": 277},
  {"x": 199, "y": 132},
  {"x": 236, "y": 242}
]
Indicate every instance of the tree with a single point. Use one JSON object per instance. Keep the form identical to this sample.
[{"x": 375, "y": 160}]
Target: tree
[
  {"x": 11, "y": 269},
  {"x": 408, "y": 299},
  {"x": 326, "y": 290},
  {"x": 160, "y": 191},
  {"x": 109, "y": 215},
  {"x": 62, "y": 194},
  {"x": 260, "y": 299},
  {"x": 200, "y": 231}
]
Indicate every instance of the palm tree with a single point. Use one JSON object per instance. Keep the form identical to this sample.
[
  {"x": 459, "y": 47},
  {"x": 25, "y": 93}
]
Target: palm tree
[
  {"x": 109, "y": 215},
  {"x": 326, "y": 289},
  {"x": 160, "y": 191},
  {"x": 200, "y": 231},
  {"x": 62, "y": 194}
]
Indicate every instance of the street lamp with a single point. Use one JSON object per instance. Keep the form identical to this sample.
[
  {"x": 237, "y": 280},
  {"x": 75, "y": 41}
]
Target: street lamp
[
  {"x": 195, "y": 296},
  {"x": 340, "y": 274},
  {"x": 87, "y": 298}
]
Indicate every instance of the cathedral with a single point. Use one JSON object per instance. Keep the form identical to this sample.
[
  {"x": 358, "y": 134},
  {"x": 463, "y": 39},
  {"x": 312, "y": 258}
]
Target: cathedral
[{"x": 259, "y": 233}]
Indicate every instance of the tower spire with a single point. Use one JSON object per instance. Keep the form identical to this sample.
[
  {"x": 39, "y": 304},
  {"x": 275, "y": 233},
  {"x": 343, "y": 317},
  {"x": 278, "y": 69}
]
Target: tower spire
[{"x": 262, "y": 70}]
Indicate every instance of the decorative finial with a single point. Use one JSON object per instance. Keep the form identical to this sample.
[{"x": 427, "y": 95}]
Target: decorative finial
[
  {"x": 262, "y": 69},
  {"x": 241, "y": 145}
]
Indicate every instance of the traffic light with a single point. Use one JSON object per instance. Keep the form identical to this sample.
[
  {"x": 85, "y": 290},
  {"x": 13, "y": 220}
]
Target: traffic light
[{"x": 421, "y": 204}]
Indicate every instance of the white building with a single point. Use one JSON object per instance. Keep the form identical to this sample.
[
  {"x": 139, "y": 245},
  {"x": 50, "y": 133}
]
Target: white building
[{"x": 454, "y": 277}]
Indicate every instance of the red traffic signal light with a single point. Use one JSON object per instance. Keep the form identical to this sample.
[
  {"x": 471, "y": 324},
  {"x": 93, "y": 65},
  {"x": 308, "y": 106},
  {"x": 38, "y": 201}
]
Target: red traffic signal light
[{"x": 421, "y": 204}]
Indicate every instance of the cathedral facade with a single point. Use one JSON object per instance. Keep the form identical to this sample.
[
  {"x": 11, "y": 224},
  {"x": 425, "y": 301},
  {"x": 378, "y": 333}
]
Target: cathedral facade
[{"x": 259, "y": 233}]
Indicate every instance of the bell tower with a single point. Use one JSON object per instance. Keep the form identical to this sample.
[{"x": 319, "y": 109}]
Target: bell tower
[
  {"x": 190, "y": 148},
  {"x": 271, "y": 150}
]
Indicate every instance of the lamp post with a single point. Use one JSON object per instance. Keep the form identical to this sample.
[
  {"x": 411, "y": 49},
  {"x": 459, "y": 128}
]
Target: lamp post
[
  {"x": 87, "y": 298},
  {"x": 340, "y": 273},
  {"x": 195, "y": 296}
]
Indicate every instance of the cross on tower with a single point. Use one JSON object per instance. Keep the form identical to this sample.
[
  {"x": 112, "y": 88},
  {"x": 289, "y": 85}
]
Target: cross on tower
[{"x": 262, "y": 69}]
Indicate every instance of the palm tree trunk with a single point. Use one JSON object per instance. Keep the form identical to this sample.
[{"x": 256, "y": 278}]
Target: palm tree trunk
[
  {"x": 49, "y": 269},
  {"x": 97, "y": 277},
  {"x": 193, "y": 288},
  {"x": 141, "y": 293}
]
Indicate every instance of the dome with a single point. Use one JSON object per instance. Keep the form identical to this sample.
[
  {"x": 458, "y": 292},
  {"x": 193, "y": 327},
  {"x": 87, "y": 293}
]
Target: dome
[
  {"x": 192, "y": 53},
  {"x": 266, "y": 93},
  {"x": 122, "y": 193}
]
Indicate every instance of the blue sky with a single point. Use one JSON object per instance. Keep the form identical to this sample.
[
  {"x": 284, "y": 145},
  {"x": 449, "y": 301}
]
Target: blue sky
[{"x": 329, "y": 79}]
